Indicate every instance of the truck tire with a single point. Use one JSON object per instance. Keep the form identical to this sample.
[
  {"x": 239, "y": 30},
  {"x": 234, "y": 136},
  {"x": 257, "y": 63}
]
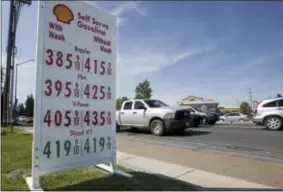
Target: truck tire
[
  {"x": 211, "y": 122},
  {"x": 157, "y": 127},
  {"x": 273, "y": 123}
]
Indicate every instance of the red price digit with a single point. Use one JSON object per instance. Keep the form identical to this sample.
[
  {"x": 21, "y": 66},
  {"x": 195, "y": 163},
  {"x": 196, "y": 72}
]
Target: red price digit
[
  {"x": 95, "y": 120},
  {"x": 58, "y": 87},
  {"x": 102, "y": 117},
  {"x": 102, "y": 91},
  {"x": 95, "y": 67},
  {"x": 48, "y": 84},
  {"x": 86, "y": 91},
  {"x": 102, "y": 66},
  {"x": 67, "y": 118},
  {"x": 87, "y": 64},
  {"x": 68, "y": 89},
  {"x": 94, "y": 88},
  {"x": 69, "y": 60},
  {"x": 58, "y": 118},
  {"x": 47, "y": 118},
  {"x": 86, "y": 118},
  {"x": 50, "y": 57},
  {"x": 59, "y": 60}
]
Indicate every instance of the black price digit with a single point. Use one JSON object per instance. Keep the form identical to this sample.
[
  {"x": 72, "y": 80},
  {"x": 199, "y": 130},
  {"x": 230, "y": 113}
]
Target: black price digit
[
  {"x": 67, "y": 147},
  {"x": 101, "y": 143},
  {"x": 109, "y": 143},
  {"x": 86, "y": 146},
  {"x": 94, "y": 145},
  {"x": 58, "y": 149},
  {"x": 47, "y": 150},
  {"x": 76, "y": 147}
]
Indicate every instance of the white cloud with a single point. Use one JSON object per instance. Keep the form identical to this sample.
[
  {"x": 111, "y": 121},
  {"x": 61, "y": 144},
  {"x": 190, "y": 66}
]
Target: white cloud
[{"x": 126, "y": 7}]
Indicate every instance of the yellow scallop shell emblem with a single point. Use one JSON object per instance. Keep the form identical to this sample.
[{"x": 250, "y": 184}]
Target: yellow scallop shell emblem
[{"x": 63, "y": 13}]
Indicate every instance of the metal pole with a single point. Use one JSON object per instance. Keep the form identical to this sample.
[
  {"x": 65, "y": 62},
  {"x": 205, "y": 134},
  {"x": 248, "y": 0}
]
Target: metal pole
[
  {"x": 16, "y": 77},
  {"x": 16, "y": 82},
  {"x": 8, "y": 64}
]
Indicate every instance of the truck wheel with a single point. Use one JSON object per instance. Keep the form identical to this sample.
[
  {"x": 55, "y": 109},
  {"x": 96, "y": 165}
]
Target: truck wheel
[
  {"x": 157, "y": 127},
  {"x": 211, "y": 122},
  {"x": 273, "y": 123},
  {"x": 117, "y": 127}
]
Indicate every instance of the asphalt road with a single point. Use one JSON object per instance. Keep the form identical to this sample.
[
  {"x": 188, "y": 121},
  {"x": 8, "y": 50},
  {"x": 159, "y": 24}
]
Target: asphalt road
[{"x": 238, "y": 140}]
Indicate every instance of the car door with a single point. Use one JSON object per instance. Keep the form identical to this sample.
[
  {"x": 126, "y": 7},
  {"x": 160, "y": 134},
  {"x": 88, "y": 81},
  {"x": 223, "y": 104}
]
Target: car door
[
  {"x": 139, "y": 112},
  {"x": 280, "y": 107},
  {"x": 126, "y": 114},
  {"x": 236, "y": 117},
  {"x": 229, "y": 117}
]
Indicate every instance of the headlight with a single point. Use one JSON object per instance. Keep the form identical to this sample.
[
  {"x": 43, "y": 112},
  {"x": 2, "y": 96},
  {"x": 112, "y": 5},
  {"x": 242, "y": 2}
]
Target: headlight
[{"x": 169, "y": 116}]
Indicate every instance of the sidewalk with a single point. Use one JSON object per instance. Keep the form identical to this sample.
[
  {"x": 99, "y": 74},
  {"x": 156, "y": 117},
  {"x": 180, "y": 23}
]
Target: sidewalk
[
  {"x": 196, "y": 177},
  {"x": 251, "y": 170}
]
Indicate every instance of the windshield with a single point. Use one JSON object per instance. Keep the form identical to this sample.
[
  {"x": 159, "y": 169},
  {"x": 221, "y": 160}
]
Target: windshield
[{"x": 155, "y": 103}]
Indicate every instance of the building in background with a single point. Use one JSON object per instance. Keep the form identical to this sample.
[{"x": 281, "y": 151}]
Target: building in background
[
  {"x": 199, "y": 103},
  {"x": 229, "y": 109}
]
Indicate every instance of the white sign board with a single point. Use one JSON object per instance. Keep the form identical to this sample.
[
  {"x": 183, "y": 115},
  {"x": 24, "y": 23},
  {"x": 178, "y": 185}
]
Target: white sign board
[{"x": 75, "y": 87}]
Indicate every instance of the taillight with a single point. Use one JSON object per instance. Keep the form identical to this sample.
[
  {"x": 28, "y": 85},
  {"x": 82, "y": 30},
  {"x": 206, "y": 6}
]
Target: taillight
[{"x": 255, "y": 107}]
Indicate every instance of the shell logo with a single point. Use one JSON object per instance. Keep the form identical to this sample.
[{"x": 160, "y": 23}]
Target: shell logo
[{"x": 63, "y": 13}]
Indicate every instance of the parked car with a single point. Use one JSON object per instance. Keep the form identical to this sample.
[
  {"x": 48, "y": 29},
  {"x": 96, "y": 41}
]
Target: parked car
[
  {"x": 232, "y": 117},
  {"x": 154, "y": 115},
  {"x": 206, "y": 118},
  {"x": 269, "y": 112}
]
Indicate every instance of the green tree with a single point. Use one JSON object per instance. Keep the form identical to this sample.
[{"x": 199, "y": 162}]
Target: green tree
[
  {"x": 245, "y": 108},
  {"x": 29, "y": 106},
  {"x": 143, "y": 90},
  {"x": 119, "y": 101},
  {"x": 21, "y": 109}
]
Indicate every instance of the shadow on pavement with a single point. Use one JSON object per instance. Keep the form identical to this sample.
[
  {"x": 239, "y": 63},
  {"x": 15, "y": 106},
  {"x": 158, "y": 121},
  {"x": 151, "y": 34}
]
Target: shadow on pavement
[
  {"x": 188, "y": 133},
  {"x": 140, "y": 182}
]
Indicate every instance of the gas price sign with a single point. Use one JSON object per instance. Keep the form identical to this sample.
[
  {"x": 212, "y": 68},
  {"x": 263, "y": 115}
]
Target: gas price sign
[{"x": 75, "y": 86}]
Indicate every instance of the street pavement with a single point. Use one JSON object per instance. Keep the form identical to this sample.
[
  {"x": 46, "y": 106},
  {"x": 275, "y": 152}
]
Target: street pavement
[
  {"x": 202, "y": 150},
  {"x": 240, "y": 140},
  {"x": 207, "y": 161}
]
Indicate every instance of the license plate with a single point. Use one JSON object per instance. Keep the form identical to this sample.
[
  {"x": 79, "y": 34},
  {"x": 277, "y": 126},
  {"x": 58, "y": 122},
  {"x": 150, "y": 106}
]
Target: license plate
[{"x": 188, "y": 124}]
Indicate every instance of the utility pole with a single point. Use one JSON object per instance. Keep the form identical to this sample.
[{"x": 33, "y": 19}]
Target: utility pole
[
  {"x": 15, "y": 8},
  {"x": 250, "y": 98},
  {"x": 8, "y": 65}
]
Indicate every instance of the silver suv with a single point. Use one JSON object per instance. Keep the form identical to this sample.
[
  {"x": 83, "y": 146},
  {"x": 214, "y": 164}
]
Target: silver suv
[{"x": 270, "y": 113}]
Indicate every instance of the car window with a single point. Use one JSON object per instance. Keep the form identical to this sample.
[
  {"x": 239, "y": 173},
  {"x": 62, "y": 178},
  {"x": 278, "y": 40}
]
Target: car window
[
  {"x": 271, "y": 104},
  {"x": 280, "y": 103},
  {"x": 128, "y": 105},
  {"x": 229, "y": 114},
  {"x": 236, "y": 114},
  {"x": 139, "y": 105},
  {"x": 190, "y": 110}
]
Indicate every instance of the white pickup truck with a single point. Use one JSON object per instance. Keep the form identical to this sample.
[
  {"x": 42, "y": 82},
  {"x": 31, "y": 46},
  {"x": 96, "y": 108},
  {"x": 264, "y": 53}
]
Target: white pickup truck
[{"x": 154, "y": 115}]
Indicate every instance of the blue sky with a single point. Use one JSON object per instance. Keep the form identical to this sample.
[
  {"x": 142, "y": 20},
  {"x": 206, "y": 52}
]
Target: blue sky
[{"x": 210, "y": 49}]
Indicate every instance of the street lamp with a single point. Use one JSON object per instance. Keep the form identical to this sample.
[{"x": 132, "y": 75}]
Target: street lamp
[{"x": 16, "y": 79}]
